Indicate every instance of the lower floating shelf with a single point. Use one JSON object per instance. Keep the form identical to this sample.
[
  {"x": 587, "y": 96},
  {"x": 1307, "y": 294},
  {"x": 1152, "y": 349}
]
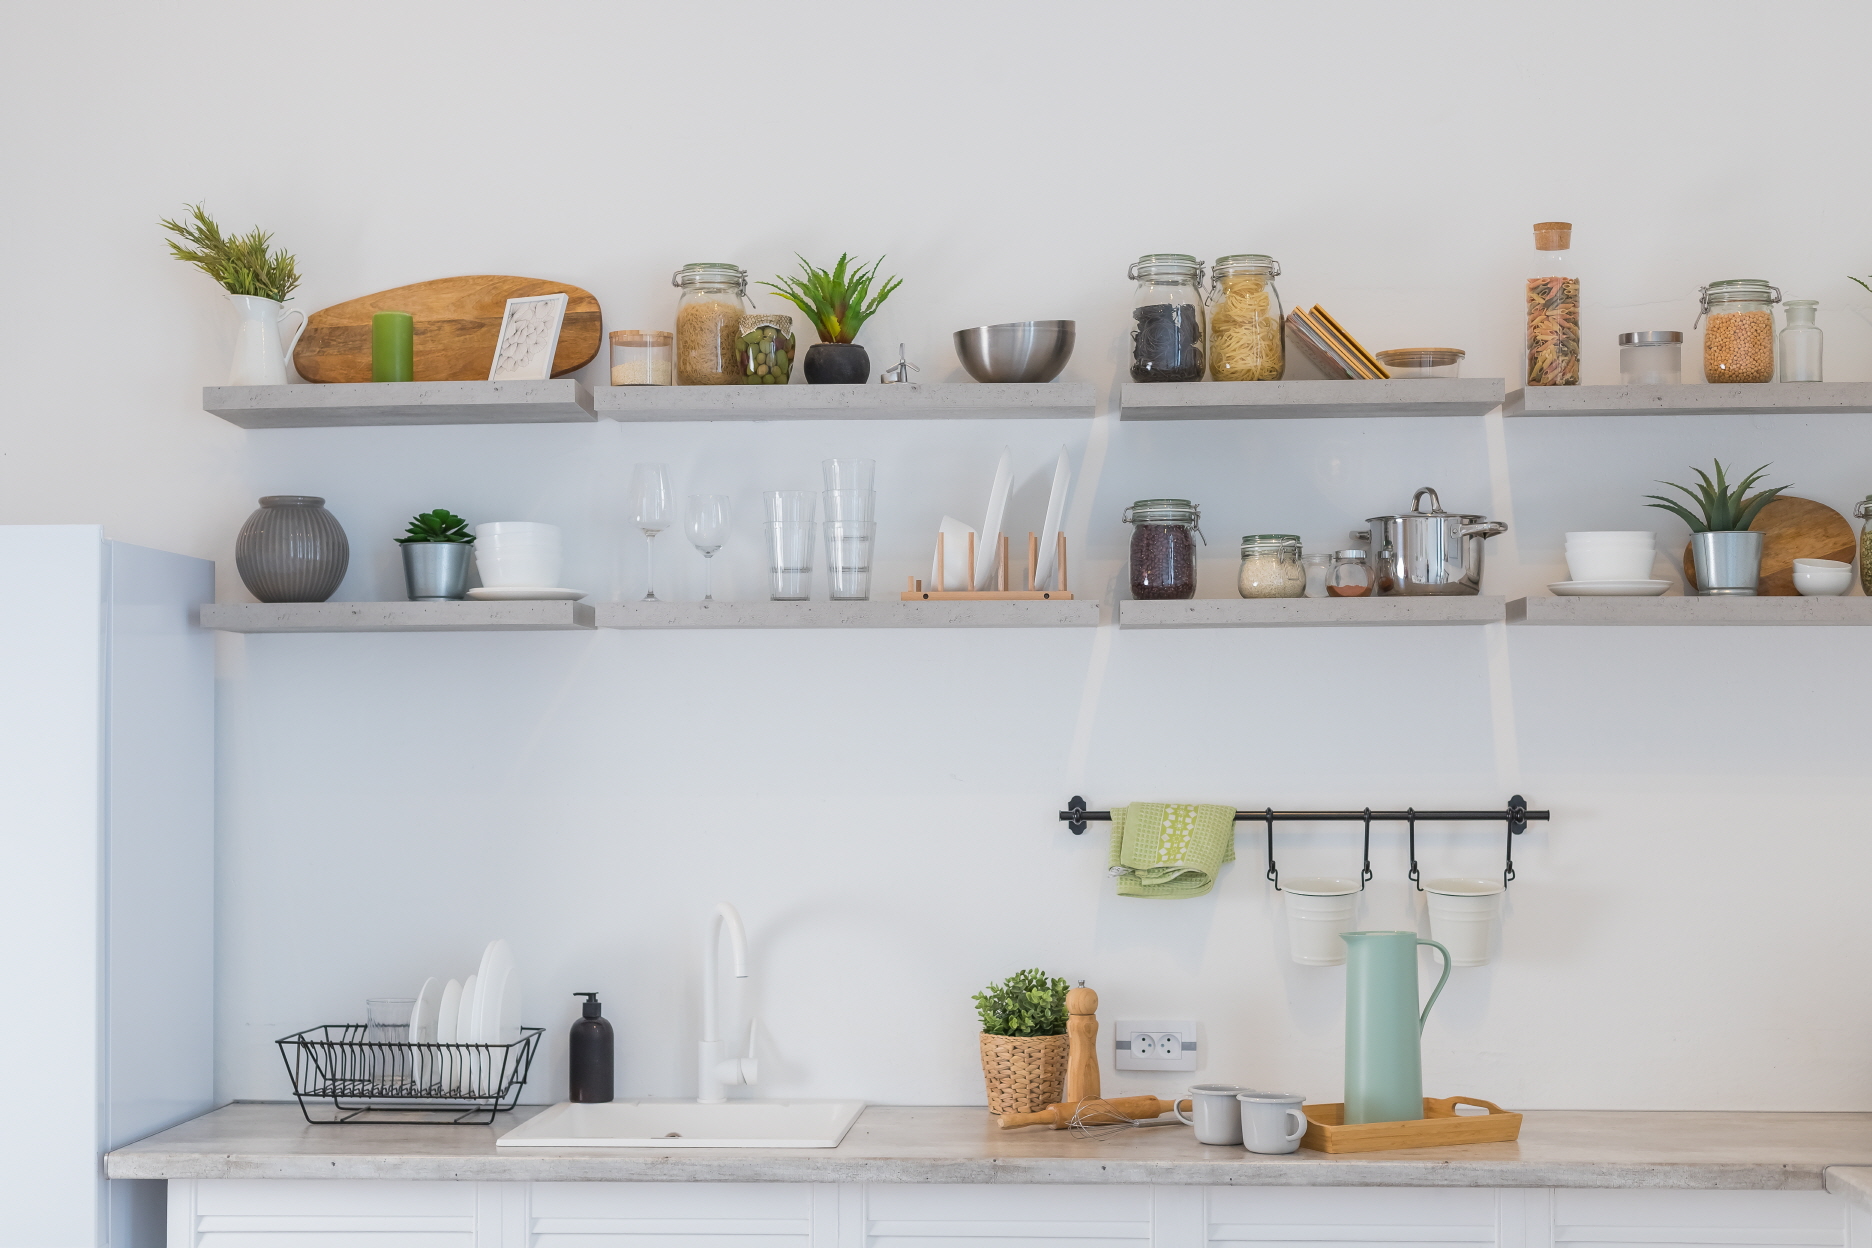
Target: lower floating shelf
[
  {"x": 1692, "y": 611},
  {"x": 396, "y": 617},
  {"x": 878, "y": 614},
  {"x": 1308, "y": 612}
]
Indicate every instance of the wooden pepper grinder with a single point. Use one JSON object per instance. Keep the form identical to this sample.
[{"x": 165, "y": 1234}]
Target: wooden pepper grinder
[{"x": 1082, "y": 1029}]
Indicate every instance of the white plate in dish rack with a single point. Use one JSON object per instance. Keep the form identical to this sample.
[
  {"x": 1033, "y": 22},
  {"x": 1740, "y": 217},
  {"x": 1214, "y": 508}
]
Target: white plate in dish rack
[
  {"x": 1609, "y": 589},
  {"x": 524, "y": 593}
]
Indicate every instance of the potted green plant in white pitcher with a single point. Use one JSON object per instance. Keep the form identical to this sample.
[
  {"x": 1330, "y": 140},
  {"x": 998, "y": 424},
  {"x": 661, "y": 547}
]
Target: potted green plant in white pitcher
[
  {"x": 435, "y": 556},
  {"x": 1726, "y": 556},
  {"x": 258, "y": 279}
]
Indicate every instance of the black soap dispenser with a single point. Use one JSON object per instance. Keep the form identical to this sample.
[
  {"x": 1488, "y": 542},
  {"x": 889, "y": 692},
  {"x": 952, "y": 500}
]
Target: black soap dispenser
[{"x": 594, "y": 1061}]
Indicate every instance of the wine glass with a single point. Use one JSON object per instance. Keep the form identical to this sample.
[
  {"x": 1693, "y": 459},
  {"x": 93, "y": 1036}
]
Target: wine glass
[
  {"x": 650, "y": 511},
  {"x": 705, "y": 520}
]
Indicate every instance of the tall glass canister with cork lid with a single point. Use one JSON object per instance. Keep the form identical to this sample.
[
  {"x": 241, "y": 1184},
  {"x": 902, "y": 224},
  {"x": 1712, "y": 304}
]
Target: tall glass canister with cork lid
[
  {"x": 1167, "y": 308},
  {"x": 1245, "y": 323},
  {"x": 708, "y": 323},
  {"x": 1739, "y": 337},
  {"x": 1553, "y": 308}
]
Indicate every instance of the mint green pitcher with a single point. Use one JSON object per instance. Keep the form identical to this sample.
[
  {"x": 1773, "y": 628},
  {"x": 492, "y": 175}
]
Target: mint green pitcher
[{"x": 1383, "y": 1054}]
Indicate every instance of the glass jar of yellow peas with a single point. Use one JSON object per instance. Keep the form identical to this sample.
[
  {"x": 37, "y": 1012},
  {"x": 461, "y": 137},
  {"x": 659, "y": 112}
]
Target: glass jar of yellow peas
[{"x": 1245, "y": 324}]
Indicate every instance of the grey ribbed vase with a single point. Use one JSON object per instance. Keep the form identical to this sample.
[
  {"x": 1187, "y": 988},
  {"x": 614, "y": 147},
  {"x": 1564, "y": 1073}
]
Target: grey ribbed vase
[{"x": 292, "y": 550}]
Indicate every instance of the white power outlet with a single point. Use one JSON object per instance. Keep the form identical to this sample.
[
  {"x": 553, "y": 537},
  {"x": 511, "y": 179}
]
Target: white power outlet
[{"x": 1154, "y": 1045}]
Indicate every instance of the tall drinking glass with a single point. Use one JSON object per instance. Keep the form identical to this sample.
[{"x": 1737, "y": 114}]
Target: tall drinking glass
[
  {"x": 651, "y": 506},
  {"x": 705, "y": 520},
  {"x": 789, "y": 560},
  {"x": 848, "y": 558},
  {"x": 849, "y": 474}
]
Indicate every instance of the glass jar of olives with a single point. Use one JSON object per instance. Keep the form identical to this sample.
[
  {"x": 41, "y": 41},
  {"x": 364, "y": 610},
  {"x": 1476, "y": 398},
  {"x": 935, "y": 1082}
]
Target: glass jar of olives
[{"x": 766, "y": 347}]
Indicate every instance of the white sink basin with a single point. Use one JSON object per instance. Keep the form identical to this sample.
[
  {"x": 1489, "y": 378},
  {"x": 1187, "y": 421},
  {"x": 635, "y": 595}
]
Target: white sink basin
[{"x": 686, "y": 1124}]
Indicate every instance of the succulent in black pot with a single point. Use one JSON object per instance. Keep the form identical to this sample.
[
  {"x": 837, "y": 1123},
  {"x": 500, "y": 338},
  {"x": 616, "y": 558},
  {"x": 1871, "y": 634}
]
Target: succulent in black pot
[{"x": 838, "y": 302}]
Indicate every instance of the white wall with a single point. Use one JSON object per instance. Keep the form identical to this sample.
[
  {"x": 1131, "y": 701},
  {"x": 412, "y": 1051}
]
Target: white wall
[{"x": 1683, "y": 935}]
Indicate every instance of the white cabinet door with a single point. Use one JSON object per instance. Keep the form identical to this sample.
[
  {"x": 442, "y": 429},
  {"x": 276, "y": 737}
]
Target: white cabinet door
[
  {"x": 670, "y": 1215},
  {"x": 297, "y": 1213}
]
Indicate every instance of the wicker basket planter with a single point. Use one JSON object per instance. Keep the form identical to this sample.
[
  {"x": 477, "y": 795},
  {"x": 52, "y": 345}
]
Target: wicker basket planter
[{"x": 1025, "y": 1074}]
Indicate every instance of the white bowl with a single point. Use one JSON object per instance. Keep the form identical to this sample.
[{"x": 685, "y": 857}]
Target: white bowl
[
  {"x": 1610, "y": 565},
  {"x": 1613, "y": 535},
  {"x": 1822, "y": 578}
]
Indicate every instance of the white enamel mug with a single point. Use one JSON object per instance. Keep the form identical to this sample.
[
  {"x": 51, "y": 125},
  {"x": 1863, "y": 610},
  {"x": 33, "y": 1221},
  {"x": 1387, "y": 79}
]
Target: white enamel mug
[
  {"x": 1214, "y": 1112},
  {"x": 1271, "y": 1122}
]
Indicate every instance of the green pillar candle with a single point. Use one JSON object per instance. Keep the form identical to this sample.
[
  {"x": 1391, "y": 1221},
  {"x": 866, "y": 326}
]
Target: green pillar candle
[{"x": 392, "y": 347}]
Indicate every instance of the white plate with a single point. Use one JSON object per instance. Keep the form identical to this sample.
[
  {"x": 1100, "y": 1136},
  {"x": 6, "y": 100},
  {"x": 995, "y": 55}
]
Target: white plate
[
  {"x": 955, "y": 537},
  {"x": 991, "y": 527},
  {"x": 524, "y": 593},
  {"x": 1049, "y": 532},
  {"x": 465, "y": 1016},
  {"x": 1609, "y": 589},
  {"x": 422, "y": 1019},
  {"x": 448, "y": 1012},
  {"x": 491, "y": 984}
]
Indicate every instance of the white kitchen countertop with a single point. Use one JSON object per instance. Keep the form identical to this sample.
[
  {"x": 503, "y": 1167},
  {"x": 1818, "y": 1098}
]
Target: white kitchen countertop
[{"x": 961, "y": 1144}]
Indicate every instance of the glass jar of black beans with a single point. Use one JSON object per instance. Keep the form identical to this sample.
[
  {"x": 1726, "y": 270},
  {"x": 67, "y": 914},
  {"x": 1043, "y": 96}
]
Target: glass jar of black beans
[
  {"x": 1167, "y": 337},
  {"x": 1163, "y": 550}
]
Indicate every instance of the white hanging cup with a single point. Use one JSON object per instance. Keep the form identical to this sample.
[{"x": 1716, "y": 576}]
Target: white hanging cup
[
  {"x": 1462, "y": 917},
  {"x": 259, "y": 359}
]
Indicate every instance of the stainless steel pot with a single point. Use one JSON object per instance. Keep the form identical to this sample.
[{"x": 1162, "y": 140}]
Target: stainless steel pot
[{"x": 1426, "y": 553}]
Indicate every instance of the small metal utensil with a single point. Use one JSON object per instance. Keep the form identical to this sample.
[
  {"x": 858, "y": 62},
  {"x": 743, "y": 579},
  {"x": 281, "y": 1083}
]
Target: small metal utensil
[{"x": 900, "y": 371}]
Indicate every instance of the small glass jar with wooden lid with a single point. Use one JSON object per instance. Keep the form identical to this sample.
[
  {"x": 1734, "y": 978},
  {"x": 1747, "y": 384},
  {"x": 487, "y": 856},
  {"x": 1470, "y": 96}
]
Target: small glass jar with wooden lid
[{"x": 641, "y": 357}]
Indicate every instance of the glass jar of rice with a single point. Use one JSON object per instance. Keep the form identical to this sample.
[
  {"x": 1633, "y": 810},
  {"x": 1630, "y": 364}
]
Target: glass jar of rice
[
  {"x": 1245, "y": 323},
  {"x": 1271, "y": 567},
  {"x": 708, "y": 324}
]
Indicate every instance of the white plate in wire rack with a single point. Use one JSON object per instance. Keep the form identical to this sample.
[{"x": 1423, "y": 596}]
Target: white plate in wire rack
[
  {"x": 1604, "y": 589},
  {"x": 524, "y": 593}
]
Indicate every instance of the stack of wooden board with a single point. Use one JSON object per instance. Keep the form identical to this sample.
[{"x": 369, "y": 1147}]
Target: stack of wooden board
[{"x": 1336, "y": 352}]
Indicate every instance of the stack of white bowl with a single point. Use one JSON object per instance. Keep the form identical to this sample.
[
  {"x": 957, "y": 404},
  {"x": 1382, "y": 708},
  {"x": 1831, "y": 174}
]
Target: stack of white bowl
[{"x": 1611, "y": 555}]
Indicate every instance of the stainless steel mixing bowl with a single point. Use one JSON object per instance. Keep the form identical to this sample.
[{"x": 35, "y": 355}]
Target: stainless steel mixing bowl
[{"x": 1018, "y": 351}]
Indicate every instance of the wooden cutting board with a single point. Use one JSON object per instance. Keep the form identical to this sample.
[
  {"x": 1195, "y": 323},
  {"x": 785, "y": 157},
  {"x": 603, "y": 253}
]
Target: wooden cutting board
[
  {"x": 458, "y": 322},
  {"x": 1794, "y": 528}
]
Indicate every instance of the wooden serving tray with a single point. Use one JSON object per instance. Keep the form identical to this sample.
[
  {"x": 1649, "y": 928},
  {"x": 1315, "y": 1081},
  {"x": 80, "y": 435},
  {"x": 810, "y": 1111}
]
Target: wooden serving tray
[{"x": 1327, "y": 1133}]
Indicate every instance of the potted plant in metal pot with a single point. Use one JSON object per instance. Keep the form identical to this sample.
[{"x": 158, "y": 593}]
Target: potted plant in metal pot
[
  {"x": 837, "y": 302},
  {"x": 1727, "y": 557},
  {"x": 1023, "y": 1041},
  {"x": 435, "y": 557}
]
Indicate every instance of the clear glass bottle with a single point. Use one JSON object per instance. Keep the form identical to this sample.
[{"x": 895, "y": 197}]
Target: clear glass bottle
[
  {"x": 1163, "y": 547},
  {"x": 1553, "y": 308},
  {"x": 1801, "y": 341},
  {"x": 1167, "y": 341},
  {"x": 1270, "y": 567},
  {"x": 1245, "y": 325},
  {"x": 1318, "y": 569},
  {"x": 1351, "y": 574},
  {"x": 1739, "y": 340},
  {"x": 708, "y": 324},
  {"x": 1650, "y": 357},
  {"x": 1864, "y": 512}
]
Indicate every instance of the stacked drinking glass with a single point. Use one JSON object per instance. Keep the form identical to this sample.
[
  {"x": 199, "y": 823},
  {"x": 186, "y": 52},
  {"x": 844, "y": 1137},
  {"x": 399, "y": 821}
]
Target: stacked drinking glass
[
  {"x": 850, "y": 525},
  {"x": 790, "y": 544}
]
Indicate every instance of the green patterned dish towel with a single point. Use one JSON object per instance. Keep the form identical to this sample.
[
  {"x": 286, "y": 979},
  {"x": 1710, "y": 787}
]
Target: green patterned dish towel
[{"x": 1170, "y": 849}]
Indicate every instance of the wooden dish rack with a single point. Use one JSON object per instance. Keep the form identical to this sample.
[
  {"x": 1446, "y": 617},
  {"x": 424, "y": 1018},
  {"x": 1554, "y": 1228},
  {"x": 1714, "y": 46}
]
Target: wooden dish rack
[{"x": 914, "y": 591}]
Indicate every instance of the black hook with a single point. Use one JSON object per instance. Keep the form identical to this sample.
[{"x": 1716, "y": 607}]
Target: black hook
[
  {"x": 1077, "y": 806},
  {"x": 1365, "y": 871},
  {"x": 1517, "y": 824},
  {"x": 1273, "y": 872},
  {"x": 1410, "y": 817}
]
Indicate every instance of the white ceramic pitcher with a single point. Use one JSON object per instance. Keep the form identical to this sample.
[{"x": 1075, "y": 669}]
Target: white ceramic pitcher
[{"x": 259, "y": 359}]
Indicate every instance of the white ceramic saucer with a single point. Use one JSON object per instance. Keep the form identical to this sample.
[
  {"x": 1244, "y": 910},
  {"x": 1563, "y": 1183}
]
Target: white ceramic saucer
[
  {"x": 524, "y": 593},
  {"x": 1600, "y": 589}
]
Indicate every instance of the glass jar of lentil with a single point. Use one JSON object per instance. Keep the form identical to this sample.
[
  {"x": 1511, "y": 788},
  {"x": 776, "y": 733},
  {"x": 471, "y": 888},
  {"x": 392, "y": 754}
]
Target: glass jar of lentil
[
  {"x": 1271, "y": 567},
  {"x": 1163, "y": 547},
  {"x": 1739, "y": 340},
  {"x": 1167, "y": 340}
]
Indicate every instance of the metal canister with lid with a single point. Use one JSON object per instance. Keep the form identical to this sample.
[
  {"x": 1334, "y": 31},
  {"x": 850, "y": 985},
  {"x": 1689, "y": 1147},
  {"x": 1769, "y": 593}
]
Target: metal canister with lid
[
  {"x": 1739, "y": 339},
  {"x": 1427, "y": 553},
  {"x": 1271, "y": 567},
  {"x": 1163, "y": 547}
]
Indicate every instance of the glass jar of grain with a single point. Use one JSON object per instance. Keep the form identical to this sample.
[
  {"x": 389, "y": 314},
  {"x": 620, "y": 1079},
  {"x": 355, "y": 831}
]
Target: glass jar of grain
[
  {"x": 640, "y": 357},
  {"x": 1864, "y": 512},
  {"x": 708, "y": 323},
  {"x": 1167, "y": 341},
  {"x": 1739, "y": 341},
  {"x": 1271, "y": 567},
  {"x": 1163, "y": 547},
  {"x": 1245, "y": 320}
]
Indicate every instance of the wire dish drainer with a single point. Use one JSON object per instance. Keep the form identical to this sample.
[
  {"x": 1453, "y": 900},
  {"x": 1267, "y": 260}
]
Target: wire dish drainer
[{"x": 450, "y": 1083}]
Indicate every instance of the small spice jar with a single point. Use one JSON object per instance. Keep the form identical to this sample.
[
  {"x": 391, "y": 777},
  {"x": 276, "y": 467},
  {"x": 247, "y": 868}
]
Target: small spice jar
[
  {"x": 1423, "y": 361},
  {"x": 708, "y": 323},
  {"x": 1801, "y": 341},
  {"x": 1245, "y": 325},
  {"x": 1351, "y": 574},
  {"x": 1651, "y": 357},
  {"x": 766, "y": 346},
  {"x": 1739, "y": 341},
  {"x": 1270, "y": 567},
  {"x": 1163, "y": 550},
  {"x": 1318, "y": 569},
  {"x": 1167, "y": 342},
  {"x": 641, "y": 357}
]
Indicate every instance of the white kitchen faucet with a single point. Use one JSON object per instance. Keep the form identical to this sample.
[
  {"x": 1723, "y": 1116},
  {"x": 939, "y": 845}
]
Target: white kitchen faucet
[{"x": 715, "y": 1072}]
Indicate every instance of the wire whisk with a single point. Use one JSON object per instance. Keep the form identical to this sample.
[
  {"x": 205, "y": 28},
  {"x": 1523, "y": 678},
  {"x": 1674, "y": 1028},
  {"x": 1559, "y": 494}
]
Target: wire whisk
[{"x": 1096, "y": 1119}]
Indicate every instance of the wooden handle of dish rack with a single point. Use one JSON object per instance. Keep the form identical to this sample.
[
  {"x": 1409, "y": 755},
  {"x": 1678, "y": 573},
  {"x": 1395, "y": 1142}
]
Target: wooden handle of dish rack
[{"x": 1060, "y": 1116}]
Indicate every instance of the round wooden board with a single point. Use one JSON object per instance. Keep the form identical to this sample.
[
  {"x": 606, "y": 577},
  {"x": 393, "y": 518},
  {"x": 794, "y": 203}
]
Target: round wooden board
[
  {"x": 458, "y": 322},
  {"x": 1794, "y": 528}
]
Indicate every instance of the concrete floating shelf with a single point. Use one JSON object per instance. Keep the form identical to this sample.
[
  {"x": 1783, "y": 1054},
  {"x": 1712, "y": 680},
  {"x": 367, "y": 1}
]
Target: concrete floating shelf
[
  {"x": 396, "y": 617},
  {"x": 1692, "y": 611},
  {"x": 1291, "y": 400},
  {"x": 559, "y": 401},
  {"x": 1765, "y": 399},
  {"x": 1308, "y": 612},
  {"x": 1077, "y": 613},
  {"x": 904, "y": 401}
]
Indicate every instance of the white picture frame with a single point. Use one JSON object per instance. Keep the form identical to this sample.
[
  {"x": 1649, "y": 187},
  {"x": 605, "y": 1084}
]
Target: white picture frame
[{"x": 529, "y": 336}]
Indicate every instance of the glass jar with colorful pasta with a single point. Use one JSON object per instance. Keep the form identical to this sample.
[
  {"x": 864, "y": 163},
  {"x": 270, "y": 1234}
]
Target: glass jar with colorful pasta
[
  {"x": 1245, "y": 320},
  {"x": 708, "y": 324},
  {"x": 1739, "y": 338},
  {"x": 1167, "y": 306}
]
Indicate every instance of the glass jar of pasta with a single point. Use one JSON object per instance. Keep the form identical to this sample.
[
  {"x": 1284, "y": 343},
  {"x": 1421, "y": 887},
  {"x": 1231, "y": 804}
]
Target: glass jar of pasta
[
  {"x": 1245, "y": 320},
  {"x": 1167, "y": 341},
  {"x": 708, "y": 324},
  {"x": 1739, "y": 340}
]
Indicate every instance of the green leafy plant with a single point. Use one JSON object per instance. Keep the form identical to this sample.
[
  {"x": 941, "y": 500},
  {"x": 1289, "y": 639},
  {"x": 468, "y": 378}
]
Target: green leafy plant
[
  {"x": 437, "y": 526},
  {"x": 1861, "y": 281},
  {"x": 244, "y": 264},
  {"x": 1726, "y": 508},
  {"x": 1028, "y": 1004},
  {"x": 835, "y": 301}
]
